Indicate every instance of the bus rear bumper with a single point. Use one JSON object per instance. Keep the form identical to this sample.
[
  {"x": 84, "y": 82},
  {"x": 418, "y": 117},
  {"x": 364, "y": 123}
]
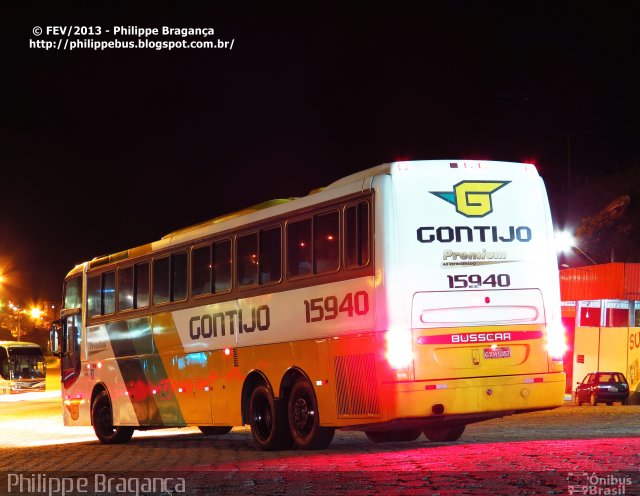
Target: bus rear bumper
[{"x": 485, "y": 397}]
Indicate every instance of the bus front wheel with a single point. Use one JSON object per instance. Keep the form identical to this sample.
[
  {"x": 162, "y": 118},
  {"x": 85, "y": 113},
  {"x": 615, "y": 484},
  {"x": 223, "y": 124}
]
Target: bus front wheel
[
  {"x": 444, "y": 433},
  {"x": 268, "y": 420},
  {"x": 102, "y": 420},
  {"x": 304, "y": 419}
]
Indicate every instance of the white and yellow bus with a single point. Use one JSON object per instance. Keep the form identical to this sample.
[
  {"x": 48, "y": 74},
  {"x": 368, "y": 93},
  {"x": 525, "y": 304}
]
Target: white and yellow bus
[
  {"x": 412, "y": 297},
  {"x": 22, "y": 367}
]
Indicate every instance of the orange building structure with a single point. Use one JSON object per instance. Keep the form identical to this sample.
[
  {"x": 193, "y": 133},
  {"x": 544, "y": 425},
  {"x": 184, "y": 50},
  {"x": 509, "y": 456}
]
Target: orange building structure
[{"x": 601, "y": 313}]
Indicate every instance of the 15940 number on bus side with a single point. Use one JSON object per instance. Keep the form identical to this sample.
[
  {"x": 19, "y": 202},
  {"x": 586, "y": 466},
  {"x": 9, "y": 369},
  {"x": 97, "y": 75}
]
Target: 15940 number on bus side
[{"x": 330, "y": 307}]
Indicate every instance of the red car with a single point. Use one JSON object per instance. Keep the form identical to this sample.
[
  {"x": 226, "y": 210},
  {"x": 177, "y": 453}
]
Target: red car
[{"x": 602, "y": 387}]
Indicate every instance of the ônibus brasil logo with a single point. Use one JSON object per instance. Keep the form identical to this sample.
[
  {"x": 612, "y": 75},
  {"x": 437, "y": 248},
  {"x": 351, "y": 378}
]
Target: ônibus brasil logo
[{"x": 472, "y": 198}]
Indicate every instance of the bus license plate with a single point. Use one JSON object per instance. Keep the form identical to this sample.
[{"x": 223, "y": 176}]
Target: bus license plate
[
  {"x": 613, "y": 389},
  {"x": 502, "y": 352}
]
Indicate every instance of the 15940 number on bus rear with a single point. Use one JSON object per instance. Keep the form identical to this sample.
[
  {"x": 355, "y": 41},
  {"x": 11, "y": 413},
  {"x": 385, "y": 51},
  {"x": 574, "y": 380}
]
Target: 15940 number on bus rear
[{"x": 476, "y": 281}]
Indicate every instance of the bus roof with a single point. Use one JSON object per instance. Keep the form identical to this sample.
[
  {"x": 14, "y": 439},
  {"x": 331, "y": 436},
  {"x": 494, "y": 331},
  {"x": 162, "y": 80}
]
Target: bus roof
[
  {"x": 358, "y": 177},
  {"x": 166, "y": 239}
]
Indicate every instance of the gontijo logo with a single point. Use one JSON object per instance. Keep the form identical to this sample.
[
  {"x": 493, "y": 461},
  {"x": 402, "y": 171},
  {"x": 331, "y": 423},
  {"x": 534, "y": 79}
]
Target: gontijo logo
[{"x": 472, "y": 198}]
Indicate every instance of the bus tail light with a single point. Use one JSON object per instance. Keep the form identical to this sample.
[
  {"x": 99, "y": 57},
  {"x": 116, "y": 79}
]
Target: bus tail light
[
  {"x": 556, "y": 341},
  {"x": 400, "y": 352}
]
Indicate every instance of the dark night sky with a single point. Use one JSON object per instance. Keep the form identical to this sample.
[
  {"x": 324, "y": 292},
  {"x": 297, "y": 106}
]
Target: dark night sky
[{"x": 102, "y": 151}]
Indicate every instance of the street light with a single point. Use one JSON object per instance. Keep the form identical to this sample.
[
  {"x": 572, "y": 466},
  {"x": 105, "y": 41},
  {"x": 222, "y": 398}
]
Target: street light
[
  {"x": 566, "y": 243},
  {"x": 35, "y": 313}
]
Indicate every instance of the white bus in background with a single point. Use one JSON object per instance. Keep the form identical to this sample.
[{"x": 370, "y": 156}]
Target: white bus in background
[
  {"x": 409, "y": 298},
  {"x": 22, "y": 367}
]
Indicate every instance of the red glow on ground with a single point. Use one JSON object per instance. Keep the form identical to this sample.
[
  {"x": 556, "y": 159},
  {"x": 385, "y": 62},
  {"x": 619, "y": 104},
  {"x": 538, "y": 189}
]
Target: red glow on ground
[{"x": 549, "y": 455}]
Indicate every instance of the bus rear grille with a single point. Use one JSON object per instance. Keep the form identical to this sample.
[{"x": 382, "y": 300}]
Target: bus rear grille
[{"x": 356, "y": 385}]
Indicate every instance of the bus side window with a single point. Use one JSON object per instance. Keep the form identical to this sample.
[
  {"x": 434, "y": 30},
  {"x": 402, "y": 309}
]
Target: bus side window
[
  {"x": 179, "y": 276},
  {"x": 141, "y": 285},
  {"x": 356, "y": 233},
  {"x": 247, "y": 259},
  {"x": 94, "y": 300},
  {"x": 101, "y": 294},
  {"x": 327, "y": 242},
  {"x": 221, "y": 266},
  {"x": 73, "y": 292},
  {"x": 299, "y": 248},
  {"x": 108, "y": 293},
  {"x": 161, "y": 280},
  {"x": 201, "y": 270},
  {"x": 125, "y": 288},
  {"x": 269, "y": 259}
]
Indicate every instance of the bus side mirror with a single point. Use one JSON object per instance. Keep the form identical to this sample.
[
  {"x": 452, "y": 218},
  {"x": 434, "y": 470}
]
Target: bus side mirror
[{"x": 55, "y": 335}]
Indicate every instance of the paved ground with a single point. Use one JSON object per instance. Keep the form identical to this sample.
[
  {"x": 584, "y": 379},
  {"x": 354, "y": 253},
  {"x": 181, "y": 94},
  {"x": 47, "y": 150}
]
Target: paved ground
[{"x": 536, "y": 453}]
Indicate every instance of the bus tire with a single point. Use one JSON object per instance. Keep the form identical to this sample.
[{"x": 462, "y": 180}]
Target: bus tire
[
  {"x": 304, "y": 419},
  {"x": 393, "y": 436},
  {"x": 214, "y": 430},
  {"x": 102, "y": 420},
  {"x": 268, "y": 420},
  {"x": 593, "y": 399},
  {"x": 444, "y": 434}
]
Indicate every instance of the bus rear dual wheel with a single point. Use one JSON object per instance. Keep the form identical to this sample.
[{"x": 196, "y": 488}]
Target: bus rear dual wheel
[
  {"x": 279, "y": 425},
  {"x": 444, "y": 434},
  {"x": 440, "y": 435},
  {"x": 102, "y": 420}
]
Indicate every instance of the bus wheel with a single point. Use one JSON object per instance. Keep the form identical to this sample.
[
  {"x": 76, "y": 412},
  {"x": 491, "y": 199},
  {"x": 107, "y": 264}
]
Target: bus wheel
[
  {"x": 214, "y": 430},
  {"x": 593, "y": 399},
  {"x": 393, "y": 436},
  {"x": 444, "y": 434},
  {"x": 268, "y": 420},
  {"x": 578, "y": 402},
  {"x": 304, "y": 419},
  {"x": 102, "y": 421}
]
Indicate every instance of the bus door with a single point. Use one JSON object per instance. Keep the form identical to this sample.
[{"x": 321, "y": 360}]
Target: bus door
[{"x": 65, "y": 339}]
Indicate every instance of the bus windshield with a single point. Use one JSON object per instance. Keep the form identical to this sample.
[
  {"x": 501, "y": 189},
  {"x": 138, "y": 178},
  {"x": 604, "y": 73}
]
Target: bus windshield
[{"x": 26, "y": 363}]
